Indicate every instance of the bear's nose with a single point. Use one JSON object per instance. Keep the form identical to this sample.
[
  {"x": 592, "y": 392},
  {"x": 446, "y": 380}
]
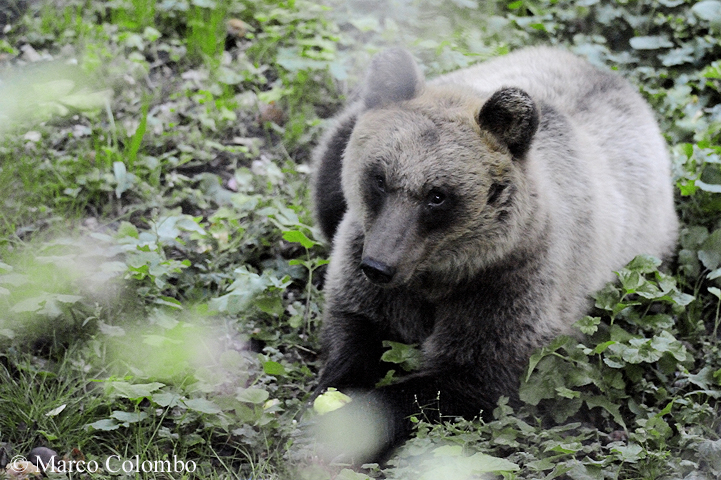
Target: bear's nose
[{"x": 377, "y": 272}]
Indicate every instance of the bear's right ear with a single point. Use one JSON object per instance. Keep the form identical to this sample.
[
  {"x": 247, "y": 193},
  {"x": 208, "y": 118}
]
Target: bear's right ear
[
  {"x": 512, "y": 117},
  {"x": 393, "y": 76}
]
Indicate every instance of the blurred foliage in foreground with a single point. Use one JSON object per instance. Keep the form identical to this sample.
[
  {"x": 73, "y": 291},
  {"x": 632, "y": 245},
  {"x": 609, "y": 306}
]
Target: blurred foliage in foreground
[{"x": 160, "y": 275}]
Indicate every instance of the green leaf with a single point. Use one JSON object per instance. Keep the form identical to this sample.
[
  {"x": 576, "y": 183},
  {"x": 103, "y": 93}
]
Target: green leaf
[
  {"x": 348, "y": 474},
  {"x": 169, "y": 302},
  {"x": 270, "y": 304},
  {"x": 107, "y": 424},
  {"x": 607, "y": 298},
  {"x": 296, "y": 236},
  {"x": 665, "y": 342},
  {"x": 330, "y": 400},
  {"x": 594, "y": 401},
  {"x": 707, "y": 187},
  {"x": 133, "y": 391},
  {"x": 650, "y": 42},
  {"x": 567, "y": 393},
  {"x": 712, "y": 71},
  {"x": 539, "y": 354},
  {"x": 67, "y": 298},
  {"x": 407, "y": 356},
  {"x": 166, "y": 399},
  {"x": 630, "y": 453},
  {"x": 253, "y": 395},
  {"x": 710, "y": 251},
  {"x": 448, "y": 451},
  {"x": 32, "y": 304},
  {"x": 588, "y": 325},
  {"x": 122, "y": 179},
  {"x": 565, "y": 447},
  {"x": 14, "y": 279},
  {"x": 273, "y": 368},
  {"x": 709, "y": 10},
  {"x": 129, "y": 417},
  {"x": 455, "y": 467},
  {"x": 644, "y": 264},
  {"x": 601, "y": 347},
  {"x": 202, "y": 405}
]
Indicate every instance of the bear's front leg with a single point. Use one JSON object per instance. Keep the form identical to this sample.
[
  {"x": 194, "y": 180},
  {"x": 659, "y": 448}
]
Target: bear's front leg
[{"x": 354, "y": 350}]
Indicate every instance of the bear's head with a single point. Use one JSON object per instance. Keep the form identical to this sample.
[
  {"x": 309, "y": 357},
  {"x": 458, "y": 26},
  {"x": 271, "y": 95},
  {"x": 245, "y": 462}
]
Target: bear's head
[{"x": 435, "y": 174}]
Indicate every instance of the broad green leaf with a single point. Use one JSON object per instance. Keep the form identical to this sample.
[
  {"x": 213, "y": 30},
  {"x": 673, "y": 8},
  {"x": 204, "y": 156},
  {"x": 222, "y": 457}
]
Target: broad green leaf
[
  {"x": 564, "y": 447},
  {"x": 202, "y": 405},
  {"x": 273, "y": 368},
  {"x": 14, "y": 279},
  {"x": 348, "y": 474},
  {"x": 448, "y": 451},
  {"x": 330, "y": 400},
  {"x": 594, "y": 401},
  {"x": 253, "y": 395},
  {"x": 129, "y": 417},
  {"x": 407, "y": 356},
  {"x": 455, "y": 468},
  {"x": 630, "y": 453},
  {"x": 588, "y": 324},
  {"x": 270, "y": 304},
  {"x": 710, "y": 251},
  {"x": 166, "y": 399},
  {"x": 133, "y": 391},
  {"x": 110, "y": 330},
  {"x": 32, "y": 304},
  {"x": 107, "y": 424},
  {"x": 708, "y": 10},
  {"x": 87, "y": 100},
  {"x": 644, "y": 264},
  {"x": 67, "y": 298},
  {"x": 296, "y": 236},
  {"x": 650, "y": 42},
  {"x": 707, "y": 187}
]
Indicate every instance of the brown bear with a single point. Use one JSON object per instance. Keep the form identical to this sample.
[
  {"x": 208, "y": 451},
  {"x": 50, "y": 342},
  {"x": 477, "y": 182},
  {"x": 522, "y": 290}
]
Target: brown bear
[{"x": 474, "y": 215}]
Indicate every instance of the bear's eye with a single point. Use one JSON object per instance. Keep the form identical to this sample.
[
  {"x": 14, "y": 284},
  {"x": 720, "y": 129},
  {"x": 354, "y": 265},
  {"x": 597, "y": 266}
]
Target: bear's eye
[
  {"x": 380, "y": 183},
  {"x": 436, "y": 198}
]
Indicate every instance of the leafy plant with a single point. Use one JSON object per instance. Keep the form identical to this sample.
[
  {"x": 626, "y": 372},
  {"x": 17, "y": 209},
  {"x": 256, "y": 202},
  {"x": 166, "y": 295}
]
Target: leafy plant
[{"x": 159, "y": 270}]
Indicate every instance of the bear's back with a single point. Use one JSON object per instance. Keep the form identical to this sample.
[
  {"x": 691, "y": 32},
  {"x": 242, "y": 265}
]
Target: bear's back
[{"x": 609, "y": 118}]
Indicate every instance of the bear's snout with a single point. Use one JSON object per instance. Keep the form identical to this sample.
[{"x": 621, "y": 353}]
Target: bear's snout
[{"x": 377, "y": 272}]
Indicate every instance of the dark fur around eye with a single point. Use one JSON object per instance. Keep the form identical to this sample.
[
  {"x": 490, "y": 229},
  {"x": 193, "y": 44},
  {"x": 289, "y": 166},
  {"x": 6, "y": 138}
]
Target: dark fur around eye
[
  {"x": 439, "y": 210},
  {"x": 374, "y": 190},
  {"x": 495, "y": 191}
]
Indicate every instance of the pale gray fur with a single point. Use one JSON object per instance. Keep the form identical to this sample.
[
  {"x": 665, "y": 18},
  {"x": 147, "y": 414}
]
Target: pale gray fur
[
  {"x": 513, "y": 269},
  {"x": 619, "y": 145}
]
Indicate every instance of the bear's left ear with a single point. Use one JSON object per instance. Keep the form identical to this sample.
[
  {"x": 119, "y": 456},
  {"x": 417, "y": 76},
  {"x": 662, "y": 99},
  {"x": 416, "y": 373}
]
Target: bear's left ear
[
  {"x": 393, "y": 76},
  {"x": 512, "y": 117}
]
